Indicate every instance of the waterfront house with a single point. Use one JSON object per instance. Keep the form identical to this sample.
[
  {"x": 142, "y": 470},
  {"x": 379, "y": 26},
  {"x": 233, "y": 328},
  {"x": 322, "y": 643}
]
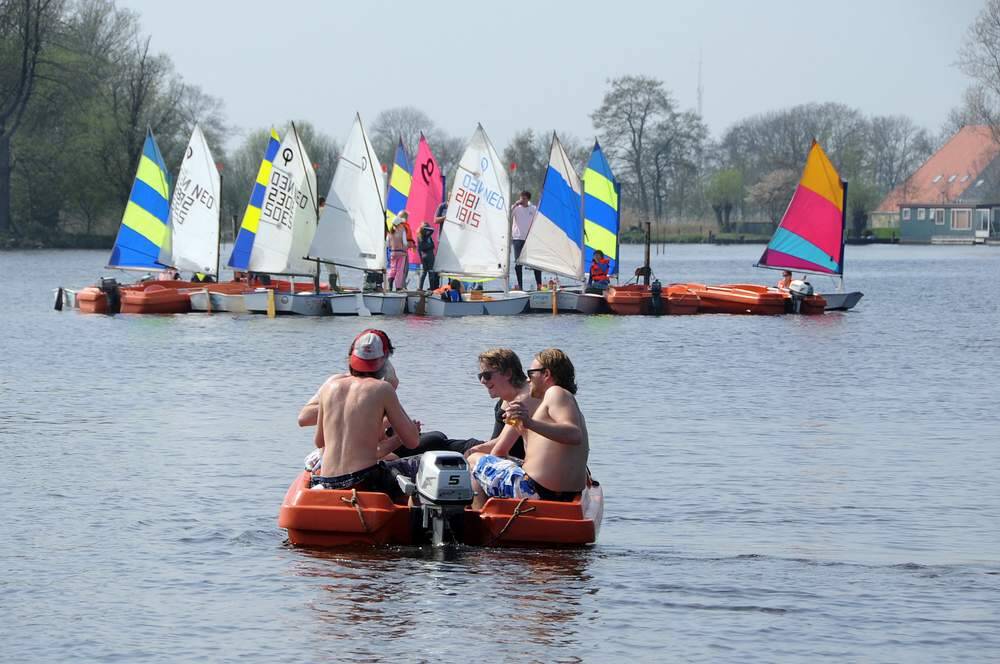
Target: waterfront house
[{"x": 953, "y": 198}]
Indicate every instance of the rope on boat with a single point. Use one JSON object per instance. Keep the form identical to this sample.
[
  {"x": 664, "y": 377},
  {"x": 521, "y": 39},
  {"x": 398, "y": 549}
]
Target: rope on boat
[
  {"x": 353, "y": 500},
  {"x": 517, "y": 512}
]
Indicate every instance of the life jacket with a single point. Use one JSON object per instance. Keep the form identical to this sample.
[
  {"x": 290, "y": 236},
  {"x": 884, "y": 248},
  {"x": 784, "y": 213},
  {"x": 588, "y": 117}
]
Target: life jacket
[
  {"x": 599, "y": 270},
  {"x": 447, "y": 293}
]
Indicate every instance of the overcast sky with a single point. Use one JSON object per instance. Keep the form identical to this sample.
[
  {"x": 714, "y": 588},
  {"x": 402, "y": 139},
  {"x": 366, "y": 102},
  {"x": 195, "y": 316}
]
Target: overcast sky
[{"x": 544, "y": 64}]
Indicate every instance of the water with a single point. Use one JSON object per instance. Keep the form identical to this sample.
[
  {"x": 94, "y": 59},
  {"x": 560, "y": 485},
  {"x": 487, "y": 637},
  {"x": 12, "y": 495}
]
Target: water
[{"x": 777, "y": 489}]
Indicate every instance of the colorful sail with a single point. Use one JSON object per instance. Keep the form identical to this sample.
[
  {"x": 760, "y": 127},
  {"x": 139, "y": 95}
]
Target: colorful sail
[
  {"x": 426, "y": 194},
  {"x": 351, "y": 230},
  {"x": 145, "y": 227},
  {"x": 193, "y": 243},
  {"x": 810, "y": 236},
  {"x": 399, "y": 185},
  {"x": 240, "y": 258},
  {"x": 475, "y": 240},
  {"x": 555, "y": 239},
  {"x": 601, "y": 214},
  {"x": 287, "y": 214}
]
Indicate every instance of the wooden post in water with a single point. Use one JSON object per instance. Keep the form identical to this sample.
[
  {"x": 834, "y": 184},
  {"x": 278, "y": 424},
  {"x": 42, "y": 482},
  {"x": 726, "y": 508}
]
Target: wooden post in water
[
  {"x": 270, "y": 302},
  {"x": 646, "y": 270}
]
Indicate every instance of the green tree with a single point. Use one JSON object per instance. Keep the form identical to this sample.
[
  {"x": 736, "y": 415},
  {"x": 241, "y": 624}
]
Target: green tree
[
  {"x": 772, "y": 193},
  {"x": 724, "y": 193},
  {"x": 862, "y": 197}
]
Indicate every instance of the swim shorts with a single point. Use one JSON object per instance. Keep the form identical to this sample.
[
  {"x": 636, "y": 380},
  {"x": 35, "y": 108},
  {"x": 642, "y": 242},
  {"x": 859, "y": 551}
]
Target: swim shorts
[{"x": 502, "y": 478}]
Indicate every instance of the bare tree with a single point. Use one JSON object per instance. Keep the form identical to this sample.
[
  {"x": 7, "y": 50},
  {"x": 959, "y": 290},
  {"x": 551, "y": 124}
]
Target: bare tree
[
  {"x": 404, "y": 122},
  {"x": 629, "y": 111},
  {"x": 979, "y": 58},
  {"x": 896, "y": 148}
]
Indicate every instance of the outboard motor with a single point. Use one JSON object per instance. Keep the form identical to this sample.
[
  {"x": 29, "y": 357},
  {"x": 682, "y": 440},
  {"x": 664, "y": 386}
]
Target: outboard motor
[
  {"x": 111, "y": 289},
  {"x": 799, "y": 290},
  {"x": 656, "y": 303},
  {"x": 443, "y": 489}
]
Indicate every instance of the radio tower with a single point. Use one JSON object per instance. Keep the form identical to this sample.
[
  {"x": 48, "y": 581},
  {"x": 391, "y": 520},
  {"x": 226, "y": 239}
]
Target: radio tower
[{"x": 700, "y": 89}]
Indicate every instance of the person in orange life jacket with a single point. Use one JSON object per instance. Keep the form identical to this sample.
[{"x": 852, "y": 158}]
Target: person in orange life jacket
[
  {"x": 450, "y": 292},
  {"x": 599, "y": 270}
]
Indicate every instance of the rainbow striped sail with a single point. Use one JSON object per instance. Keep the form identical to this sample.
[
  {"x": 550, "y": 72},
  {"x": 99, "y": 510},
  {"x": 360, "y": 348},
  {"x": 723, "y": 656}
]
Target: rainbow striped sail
[
  {"x": 240, "y": 258},
  {"x": 399, "y": 185},
  {"x": 601, "y": 214},
  {"x": 810, "y": 236},
  {"x": 145, "y": 225}
]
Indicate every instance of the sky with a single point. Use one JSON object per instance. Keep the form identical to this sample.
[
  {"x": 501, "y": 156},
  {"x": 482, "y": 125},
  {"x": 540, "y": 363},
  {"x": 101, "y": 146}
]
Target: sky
[{"x": 544, "y": 65}]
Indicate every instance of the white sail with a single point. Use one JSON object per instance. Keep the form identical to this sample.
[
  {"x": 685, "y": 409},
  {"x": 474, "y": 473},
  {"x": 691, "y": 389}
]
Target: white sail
[
  {"x": 475, "y": 239},
  {"x": 194, "y": 211},
  {"x": 555, "y": 239},
  {"x": 351, "y": 229},
  {"x": 288, "y": 213}
]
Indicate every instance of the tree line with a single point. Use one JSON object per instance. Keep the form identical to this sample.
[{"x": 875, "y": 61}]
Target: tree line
[{"x": 79, "y": 85}]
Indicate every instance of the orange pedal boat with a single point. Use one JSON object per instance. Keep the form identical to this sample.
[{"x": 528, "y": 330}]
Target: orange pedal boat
[
  {"x": 737, "y": 299},
  {"x": 636, "y": 299},
  {"x": 811, "y": 304},
  {"x": 330, "y": 517}
]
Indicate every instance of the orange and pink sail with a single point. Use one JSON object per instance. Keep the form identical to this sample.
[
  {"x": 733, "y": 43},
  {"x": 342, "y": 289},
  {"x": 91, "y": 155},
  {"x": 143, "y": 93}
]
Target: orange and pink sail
[
  {"x": 810, "y": 236},
  {"x": 426, "y": 194}
]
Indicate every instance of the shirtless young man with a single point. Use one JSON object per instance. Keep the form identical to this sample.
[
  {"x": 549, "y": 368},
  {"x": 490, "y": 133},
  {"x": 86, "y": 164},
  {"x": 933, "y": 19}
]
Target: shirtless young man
[
  {"x": 351, "y": 412},
  {"x": 501, "y": 374},
  {"x": 555, "y": 437}
]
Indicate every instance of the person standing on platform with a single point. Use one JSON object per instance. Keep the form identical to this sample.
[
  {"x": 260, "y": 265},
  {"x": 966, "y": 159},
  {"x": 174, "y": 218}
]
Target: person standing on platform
[
  {"x": 425, "y": 247},
  {"x": 522, "y": 216},
  {"x": 396, "y": 241}
]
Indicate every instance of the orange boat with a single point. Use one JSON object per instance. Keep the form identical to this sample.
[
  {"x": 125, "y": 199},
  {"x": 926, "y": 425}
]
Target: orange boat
[
  {"x": 807, "y": 304},
  {"x": 636, "y": 299},
  {"x": 327, "y": 517},
  {"x": 738, "y": 299}
]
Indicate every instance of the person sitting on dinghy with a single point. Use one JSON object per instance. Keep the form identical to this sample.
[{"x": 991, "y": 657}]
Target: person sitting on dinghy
[
  {"x": 786, "y": 280},
  {"x": 555, "y": 439},
  {"x": 351, "y": 412}
]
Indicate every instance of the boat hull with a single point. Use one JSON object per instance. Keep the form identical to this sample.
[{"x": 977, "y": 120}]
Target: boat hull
[
  {"x": 568, "y": 302},
  {"x": 841, "y": 301},
  {"x": 629, "y": 300},
  {"x": 738, "y": 299},
  {"x": 330, "y": 518},
  {"x": 155, "y": 299},
  {"x": 304, "y": 304},
  {"x": 202, "y": 300},
  {"x": 385, "y": 304}
]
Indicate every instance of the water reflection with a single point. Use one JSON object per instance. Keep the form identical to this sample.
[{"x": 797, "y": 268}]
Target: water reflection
[{"x": 534, "y": 598}]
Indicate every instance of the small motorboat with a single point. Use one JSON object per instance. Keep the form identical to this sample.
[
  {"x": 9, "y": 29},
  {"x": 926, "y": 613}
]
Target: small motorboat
[
  {"x": 435, "y": 509},
  {"x": 155, "y": 299},
  {"x": 800, "y": 298}
]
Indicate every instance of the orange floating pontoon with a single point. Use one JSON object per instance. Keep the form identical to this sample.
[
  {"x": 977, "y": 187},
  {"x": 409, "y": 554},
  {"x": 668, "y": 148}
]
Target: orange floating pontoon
[
  {"x": 327, "y": 517},
  {"x": 809, "y": 304}
]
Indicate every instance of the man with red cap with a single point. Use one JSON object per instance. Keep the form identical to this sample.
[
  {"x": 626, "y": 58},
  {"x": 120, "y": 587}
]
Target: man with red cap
[{"x": 351, "y": 408}]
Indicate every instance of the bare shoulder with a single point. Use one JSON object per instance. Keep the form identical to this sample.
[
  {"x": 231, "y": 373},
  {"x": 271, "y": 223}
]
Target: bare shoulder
[{"x": 558, "y": 396}]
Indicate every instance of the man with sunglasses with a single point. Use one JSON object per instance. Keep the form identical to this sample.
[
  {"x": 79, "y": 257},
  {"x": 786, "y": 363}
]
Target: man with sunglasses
[{"x": 555, "y": 435}]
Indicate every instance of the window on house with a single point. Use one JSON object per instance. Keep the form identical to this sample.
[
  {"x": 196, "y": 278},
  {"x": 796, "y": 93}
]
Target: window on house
[
  {"x": 906, "y": 214},
  {"x": 921, "y": 214},
  {"x": 961, "y": 220},
  {"x": 939, "y": 216},
  {"x": 984, "y": 220},
  {"x": 937, "y": 178}
]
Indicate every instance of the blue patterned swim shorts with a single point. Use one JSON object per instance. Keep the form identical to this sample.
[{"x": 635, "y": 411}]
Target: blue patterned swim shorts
[{"x": 502, "y": 478}]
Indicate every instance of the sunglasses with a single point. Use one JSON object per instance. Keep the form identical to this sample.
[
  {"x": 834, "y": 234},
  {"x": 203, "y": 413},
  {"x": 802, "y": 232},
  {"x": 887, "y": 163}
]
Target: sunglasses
[
  {"x": 484, "y": 375},
  {"x": 533, "y": 371}
]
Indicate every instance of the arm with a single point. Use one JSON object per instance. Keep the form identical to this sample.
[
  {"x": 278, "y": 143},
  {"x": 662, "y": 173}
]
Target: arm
[
  {"x": 309, "y": 415},
  {"x": 403, "y": 427},
  {"x": 563, "y": 428},
  {"x": 501, "y": 444}
]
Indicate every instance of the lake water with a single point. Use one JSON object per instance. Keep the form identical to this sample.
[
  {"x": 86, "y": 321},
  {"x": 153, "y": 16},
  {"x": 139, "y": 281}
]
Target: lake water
[{"x": 777, "y": 489}]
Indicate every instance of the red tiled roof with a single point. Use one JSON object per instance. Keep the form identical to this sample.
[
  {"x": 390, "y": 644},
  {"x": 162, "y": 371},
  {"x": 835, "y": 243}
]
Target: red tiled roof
[{"x": 948, "y": 172}]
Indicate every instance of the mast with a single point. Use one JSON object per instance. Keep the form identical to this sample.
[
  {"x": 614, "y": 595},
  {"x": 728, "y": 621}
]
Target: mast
[
  {"x": 843, "y": 233},
  {"x": 218, "y": 238}
]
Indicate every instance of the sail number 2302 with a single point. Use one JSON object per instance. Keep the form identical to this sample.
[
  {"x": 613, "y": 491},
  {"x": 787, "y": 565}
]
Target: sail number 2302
[{"x": 282, "y": 199}]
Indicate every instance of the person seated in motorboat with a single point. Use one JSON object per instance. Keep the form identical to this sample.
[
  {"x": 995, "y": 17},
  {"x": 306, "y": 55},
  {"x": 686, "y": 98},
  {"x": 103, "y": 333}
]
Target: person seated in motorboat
[
  {"x": 785, "y": 281},
  {"x": 599, "y": 278},
  {"x": 170, "y": 274},
  {"x": 500, "y": 372},
  {"x": 352, "y": 409},
  {"x": 556, "y": 443}
]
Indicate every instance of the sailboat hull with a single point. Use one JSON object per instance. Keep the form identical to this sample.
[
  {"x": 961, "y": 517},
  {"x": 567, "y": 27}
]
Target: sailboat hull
[
  {"x": 385, "y": 304},
  {"x": 842, "y": 301},
  {"x": 568, "y": 302},
  {"x": 435, "y": 306},
  {"x": 506, "y": 306}
]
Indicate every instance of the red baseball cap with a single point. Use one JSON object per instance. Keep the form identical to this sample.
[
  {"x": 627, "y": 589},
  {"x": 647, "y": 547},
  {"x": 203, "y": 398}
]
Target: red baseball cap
[{"x": 368, "y": 352}]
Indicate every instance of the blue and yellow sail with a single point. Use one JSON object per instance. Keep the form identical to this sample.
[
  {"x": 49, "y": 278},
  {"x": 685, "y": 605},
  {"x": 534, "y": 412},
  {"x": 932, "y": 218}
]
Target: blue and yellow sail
[
  {"x": 145, "y": 225},
  {"x": 240, "y": 258},
  {"x": 601, "y": 214},
  {"x": 399, "y": 185}
]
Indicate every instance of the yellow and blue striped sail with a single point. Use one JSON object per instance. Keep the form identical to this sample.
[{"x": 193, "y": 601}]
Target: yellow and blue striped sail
[
  {"x": 399, "y": 185},
  {"x": 601, "y": 214},
  {"x": 145, "y": 225},
  {"x": 240, "y": 258}
]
